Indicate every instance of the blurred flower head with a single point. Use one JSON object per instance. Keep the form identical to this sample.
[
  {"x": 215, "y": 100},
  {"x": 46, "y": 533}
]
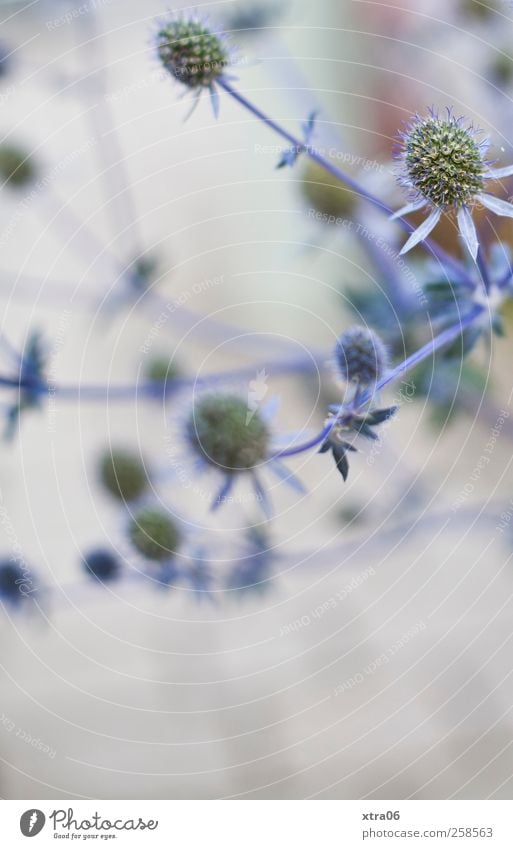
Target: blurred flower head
[
  {"x": 154, "y": 534},
  {"x": 192, "y": 52},
  {"x": 123, "y": 474},
  {"x": 360, "y": 356}
]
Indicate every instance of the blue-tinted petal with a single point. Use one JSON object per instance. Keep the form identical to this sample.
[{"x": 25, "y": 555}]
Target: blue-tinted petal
[
  {"x": 223, "y": 492},
  {"x": 468, "y": 232},
  {"x": 497, "y": 173},
  {"x": 500, "y": 207},
  {"x": 262, "y": 497},
  {"x": 423, "y": 231},
  {"x": 215, "y": 101},
  {"x": 410, "y": 207},
  {"x": 285, "y": 475}
]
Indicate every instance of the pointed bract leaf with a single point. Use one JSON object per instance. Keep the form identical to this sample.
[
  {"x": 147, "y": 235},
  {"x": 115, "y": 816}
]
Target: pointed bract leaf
[
  {"x": 468, "y": 231},
  {"x": 379, "y": 416},
  {"x": 410, "y": 207},
  {"x": 341, "y": 461},
  {"x": 423, "y": 231},
  {"x": 500, "y": 207},
  {"x": 497, "y": 173}
]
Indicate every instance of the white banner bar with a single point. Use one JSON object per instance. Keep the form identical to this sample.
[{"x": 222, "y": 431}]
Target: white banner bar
[{"x": 258, "y": 824}]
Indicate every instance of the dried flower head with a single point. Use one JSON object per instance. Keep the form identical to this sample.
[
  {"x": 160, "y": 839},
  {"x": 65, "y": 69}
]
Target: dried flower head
[
  {"x": 361, "y": 356},
  {"x": 153, "y": 534},
  {"x": 123, "y": 474},
  {"x": 226, "y": 434},
  {"x": 444, "y": 166},
  {"x": 192, "y": 52}
]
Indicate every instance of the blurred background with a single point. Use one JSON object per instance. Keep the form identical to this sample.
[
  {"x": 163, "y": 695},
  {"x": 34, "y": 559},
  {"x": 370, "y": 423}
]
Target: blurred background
[{"x": 359, "y": 644}]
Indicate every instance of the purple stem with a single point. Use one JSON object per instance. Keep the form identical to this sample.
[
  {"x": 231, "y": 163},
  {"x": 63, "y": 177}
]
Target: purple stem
[{"x": 444, "y": 258}]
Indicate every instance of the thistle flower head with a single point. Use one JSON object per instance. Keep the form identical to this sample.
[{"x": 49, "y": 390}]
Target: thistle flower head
[
  {"x": 360, "y": 355},
  {"x": 123, "y": 474},
  {"x": 444, "y": 166},
  {"x": 443, "y": 160},
  {"x": 101, "y": 564},
  {"x": 153, "y": 534},
  {"x": 226, "y": 434},
  {"x": 192, "y": 52}
]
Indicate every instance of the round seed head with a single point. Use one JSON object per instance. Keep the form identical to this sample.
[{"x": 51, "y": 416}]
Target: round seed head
[
  {"x": 227, "y": 434},
  {"x": 123, "y": 474},
  {"x": 153, "y": 534},
  {"x": 191, "y": 52},
  {"x": 360, "y": 355},
  {"x": 325, "y": 193},
  {"x": 443, "y": 161},
  {"x": 16, "y": 167},
  {"x": 102, "y": 564}
]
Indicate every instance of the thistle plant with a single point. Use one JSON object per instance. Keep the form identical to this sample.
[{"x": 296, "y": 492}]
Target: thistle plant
[{"x": 445, "y": 168}]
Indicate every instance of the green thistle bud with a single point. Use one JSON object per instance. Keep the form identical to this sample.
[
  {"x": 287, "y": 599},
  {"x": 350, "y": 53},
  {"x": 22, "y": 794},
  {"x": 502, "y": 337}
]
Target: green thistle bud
[
  {"x": 191, "y": 52},
  {"x": 325, "y": 193},
  {"x": 123, "y": 474},
  {"x": 227, "y": 434},
  {"x": 16, "y": 167},
  {"x": 443, "y": 161},
  {"x": 153, "y": 534}
]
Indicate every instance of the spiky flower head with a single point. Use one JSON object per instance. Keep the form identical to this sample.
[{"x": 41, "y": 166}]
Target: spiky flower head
[
  {"x": 443, "y": 160},
  {"x": 153, "y": 534},
  {"x": 192, "y": 52},
  {"x": 444, "y": 167},
  {"x": 102, "y": 564},
  {"x": 123, "y": 475},
  {"x": 226, "y": 434},
  {"x": 360, "y": 355},
  {"x": 16, "y": 167}
]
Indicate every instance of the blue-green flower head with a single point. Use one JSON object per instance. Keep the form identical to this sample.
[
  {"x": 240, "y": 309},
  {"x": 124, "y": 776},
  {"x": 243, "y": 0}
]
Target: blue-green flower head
[
  {"x": 154, "y": 534},
  {"x": 360, "y": 356},
  {"x": 444, "y": 160},
  {"x": 444, "y": 166},
  {"x": 192, "y": 52},
  {"x": 227, "y": 434},
  {"x": 123, "y": 474}
]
